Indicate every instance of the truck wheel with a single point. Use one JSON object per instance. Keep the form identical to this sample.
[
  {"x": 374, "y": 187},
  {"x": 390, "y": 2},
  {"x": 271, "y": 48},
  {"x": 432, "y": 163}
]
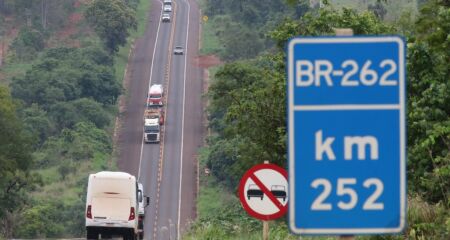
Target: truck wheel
[{"x": 90, "y": 234}]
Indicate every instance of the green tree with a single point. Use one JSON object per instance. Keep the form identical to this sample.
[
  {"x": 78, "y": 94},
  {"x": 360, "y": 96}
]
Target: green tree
[
  {"x": 41, "y": 220},
  {"x": 37, "y": 123},
  {"x": 81, "y": 143},
  {"x": 67, "y": 114},
  {"x": 15, "y": 162},
  {"x": 27, "y": 44},
  {"x": 66, "y": 74},
  {"x": 247, "y": 110},
  {"x": 241, "y": 25},
  {"x": 111, "y": 20},
  {"x": 324, "y": 21},
  {"x": 240, "y": 42},
  {"x": 428, "y": 101}
]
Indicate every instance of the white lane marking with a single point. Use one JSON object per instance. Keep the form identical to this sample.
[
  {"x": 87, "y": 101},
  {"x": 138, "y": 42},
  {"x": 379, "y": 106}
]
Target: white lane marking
[
  {"x": 182, "y": 120},
  {"x": 149, "y": 83}
]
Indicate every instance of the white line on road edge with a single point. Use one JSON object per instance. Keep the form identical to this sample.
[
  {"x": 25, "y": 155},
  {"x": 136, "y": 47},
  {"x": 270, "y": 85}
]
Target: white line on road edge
[
  {"x": 182, "y": 119},
  {"x": 149, "y": 84}
]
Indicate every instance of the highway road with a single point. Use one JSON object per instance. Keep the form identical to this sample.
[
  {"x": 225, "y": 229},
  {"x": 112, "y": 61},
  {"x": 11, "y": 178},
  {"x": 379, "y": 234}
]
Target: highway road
[{"x": 167, "y": 170}]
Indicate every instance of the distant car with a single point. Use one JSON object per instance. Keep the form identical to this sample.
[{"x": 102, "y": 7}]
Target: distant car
[
  {"x": 167, "y": 8},
  {"x": 254, "y": 191},
  {"x": 165, "y": 17},
  {"x": 279, "y": 191},
  {"x": 178, "y": 50}
]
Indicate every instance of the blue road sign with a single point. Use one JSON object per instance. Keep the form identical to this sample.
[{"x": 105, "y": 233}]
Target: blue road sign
[{"x": 346, "y": 126}]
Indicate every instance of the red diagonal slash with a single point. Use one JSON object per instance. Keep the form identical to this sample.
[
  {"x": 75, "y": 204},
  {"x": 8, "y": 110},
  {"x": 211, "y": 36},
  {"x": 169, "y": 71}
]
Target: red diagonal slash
[{"x": 266, "y": 191}]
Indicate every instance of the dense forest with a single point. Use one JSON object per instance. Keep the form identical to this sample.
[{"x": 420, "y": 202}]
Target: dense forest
[
  {"x": 58, "y": 100},
  {"x": 247, "y": 105}
]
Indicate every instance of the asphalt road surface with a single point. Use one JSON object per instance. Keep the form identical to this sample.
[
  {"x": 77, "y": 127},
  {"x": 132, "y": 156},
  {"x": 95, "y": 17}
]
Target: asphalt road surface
[{"x": 167, "y": 170}]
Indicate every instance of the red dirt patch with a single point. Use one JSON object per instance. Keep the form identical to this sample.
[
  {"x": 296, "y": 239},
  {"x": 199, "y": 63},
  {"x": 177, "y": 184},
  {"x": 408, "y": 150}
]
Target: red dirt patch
[{"x": 207, "y": 61}]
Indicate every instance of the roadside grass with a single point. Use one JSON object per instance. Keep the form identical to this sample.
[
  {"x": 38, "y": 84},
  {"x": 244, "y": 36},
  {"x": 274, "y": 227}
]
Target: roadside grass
[
  {"x": 210, "y": 41},
  {"x": 142, "y": 18},
  {"x": 121, "y": 60},
  {"x": 67, "y": 190},
  {"x": 211, "y": 195}
]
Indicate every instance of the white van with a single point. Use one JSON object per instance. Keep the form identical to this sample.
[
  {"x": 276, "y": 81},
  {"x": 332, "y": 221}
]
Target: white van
[
  {"x": 167, "y": 2},
  {"x": 111, "y": 205}
]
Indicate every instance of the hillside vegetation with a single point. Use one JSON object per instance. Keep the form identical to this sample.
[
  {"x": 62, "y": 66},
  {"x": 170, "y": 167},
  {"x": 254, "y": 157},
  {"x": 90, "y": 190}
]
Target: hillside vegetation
[
  {"x": 57, "y": 112},
  {"x": 247, "y": 114}
]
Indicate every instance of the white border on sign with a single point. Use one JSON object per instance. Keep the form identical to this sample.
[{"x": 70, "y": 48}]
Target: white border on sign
[{"x": 292, "y": 108}]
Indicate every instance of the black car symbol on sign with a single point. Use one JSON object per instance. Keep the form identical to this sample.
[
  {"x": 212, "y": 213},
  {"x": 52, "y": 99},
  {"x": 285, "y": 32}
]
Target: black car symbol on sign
[
  {"x": 279, "y": 191},
  {"x": 254, "y": 191}
]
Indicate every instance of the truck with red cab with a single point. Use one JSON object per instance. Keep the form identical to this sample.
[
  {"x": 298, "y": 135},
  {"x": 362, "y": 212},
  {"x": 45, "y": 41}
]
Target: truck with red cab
[{"x": 155, "y": 95}]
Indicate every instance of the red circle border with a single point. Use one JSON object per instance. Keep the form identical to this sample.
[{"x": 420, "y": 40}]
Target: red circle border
[{"x": 241, "y": 193}]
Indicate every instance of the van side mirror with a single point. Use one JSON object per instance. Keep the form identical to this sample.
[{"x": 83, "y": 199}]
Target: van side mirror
[{"x": 147, "y": 201}]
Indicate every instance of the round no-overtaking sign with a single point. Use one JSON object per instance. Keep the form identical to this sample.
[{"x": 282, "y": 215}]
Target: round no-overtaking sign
[{"x": 263, "y": 191}]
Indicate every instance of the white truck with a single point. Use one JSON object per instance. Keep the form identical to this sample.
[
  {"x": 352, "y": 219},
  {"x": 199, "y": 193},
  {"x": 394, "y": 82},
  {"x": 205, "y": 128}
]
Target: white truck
[
  {"x": 152, "y": 130},
  {"x": 111, "y": 205}
]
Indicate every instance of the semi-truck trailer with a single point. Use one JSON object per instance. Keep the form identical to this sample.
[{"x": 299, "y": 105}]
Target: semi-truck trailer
[{"x": 154, "y": 113}]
